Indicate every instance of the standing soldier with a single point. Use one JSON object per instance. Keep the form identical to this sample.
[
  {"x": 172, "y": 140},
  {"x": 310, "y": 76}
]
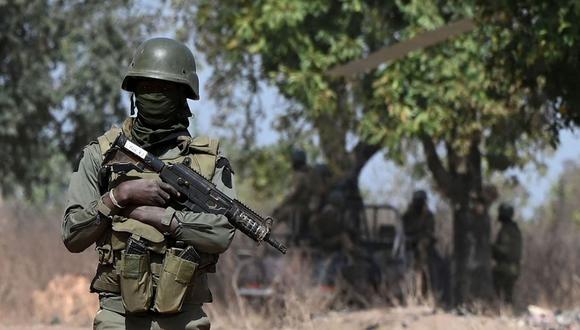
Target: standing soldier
[
  {"x": 300, "y": 203},
  {"x": 419, "y": 228},
  {"x": 153, "y": 255},
  {"x": 507, "y": 253}
]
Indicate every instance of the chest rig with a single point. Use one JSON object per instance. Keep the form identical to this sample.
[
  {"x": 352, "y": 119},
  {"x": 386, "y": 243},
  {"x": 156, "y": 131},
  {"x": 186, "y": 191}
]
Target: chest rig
[{"x": 198, "y": 153}]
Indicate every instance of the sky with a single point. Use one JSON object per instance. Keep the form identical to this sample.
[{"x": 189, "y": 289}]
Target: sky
[{"x": 380, "y": 177}]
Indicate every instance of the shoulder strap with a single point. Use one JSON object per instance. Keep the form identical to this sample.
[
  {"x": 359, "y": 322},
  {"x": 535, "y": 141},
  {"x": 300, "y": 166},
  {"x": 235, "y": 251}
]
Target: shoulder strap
[
  {"x": 106, "y": 140},
  {"x": 204, "y": 152},
  {"x": 203, "y": 144}
]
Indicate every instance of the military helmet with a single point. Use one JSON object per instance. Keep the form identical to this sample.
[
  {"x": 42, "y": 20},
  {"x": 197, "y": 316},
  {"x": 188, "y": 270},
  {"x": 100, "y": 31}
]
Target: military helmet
[
  {"x": 420, "y": 195},
  {"x": 164, "y": 59},
  {"x": 298, "y": 158},
  {"x": 506, "y": 211}
]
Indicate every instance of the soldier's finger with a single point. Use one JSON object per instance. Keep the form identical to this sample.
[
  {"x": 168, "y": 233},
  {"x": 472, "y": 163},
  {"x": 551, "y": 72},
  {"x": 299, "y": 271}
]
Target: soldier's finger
[
  {"x": 158, "y": 201},
  {"x": 164, "y": 195},
  {"x": 168, "y": 188}
]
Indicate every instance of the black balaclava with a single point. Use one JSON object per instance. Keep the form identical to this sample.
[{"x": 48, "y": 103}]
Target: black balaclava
[{"x": 159, "y": 115}]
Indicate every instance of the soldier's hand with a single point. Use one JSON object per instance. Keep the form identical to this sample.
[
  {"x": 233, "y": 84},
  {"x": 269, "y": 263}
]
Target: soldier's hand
[
  {"x": 151, "y": 215},
  {"x": 144, "y": 192}
]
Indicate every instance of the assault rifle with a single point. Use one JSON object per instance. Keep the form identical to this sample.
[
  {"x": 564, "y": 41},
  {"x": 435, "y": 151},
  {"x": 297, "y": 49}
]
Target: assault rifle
[{"x": 196, "y": 192}]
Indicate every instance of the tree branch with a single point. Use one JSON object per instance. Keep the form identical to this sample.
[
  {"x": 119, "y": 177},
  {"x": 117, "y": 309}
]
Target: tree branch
[
  {"x": 452, "y": 159},
  {"x": 442, "y": 177},
  {"x": 474, "y": 164},
  {"x": 362, "y": 152}
]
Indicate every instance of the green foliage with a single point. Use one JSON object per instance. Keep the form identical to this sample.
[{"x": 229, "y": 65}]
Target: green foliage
[
  {"x": 452, "y": 94},
  {"x": 291, "y": 45},
  {"x": 542, "y": 51},
  {"x": 456, "y": 93},
  {"x": 265, "y": 171},
  {"x": 60, "y": 74},
  {"x": 455, "y": 99}
]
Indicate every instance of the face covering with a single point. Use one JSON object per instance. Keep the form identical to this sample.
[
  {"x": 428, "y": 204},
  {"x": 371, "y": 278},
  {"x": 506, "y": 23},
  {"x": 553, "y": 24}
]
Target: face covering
[{"x": 159, "y": 115}]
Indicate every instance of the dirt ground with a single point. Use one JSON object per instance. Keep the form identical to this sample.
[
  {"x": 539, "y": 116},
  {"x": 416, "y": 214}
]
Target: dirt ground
[
  {"x": 407, "y": 318},
  {"x": 418, "y": 318}
]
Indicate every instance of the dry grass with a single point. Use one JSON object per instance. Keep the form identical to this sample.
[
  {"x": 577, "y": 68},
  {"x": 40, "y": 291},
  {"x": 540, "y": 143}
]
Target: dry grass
[
  {"x": 550, "y": 274},
  {"x": 296, "y": 299},
  {"x": 32, "y": 256},
  {"x": 42, "y": 282}
]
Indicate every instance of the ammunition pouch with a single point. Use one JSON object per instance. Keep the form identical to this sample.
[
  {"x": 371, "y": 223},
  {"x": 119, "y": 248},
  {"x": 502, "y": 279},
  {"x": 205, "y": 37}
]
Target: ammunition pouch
[
  {"x": 174, "y": 281},
  {"x": 153, "y": 279},
  {"x": 136, "y": 282}
]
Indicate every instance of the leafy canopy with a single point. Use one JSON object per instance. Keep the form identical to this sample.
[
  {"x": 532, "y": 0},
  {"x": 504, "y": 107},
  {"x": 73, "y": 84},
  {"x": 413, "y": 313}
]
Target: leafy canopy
[
  {"x": 457, "y": 93},
  {"x": 452, "y": 94},
  {"x": 290, "y": 45},
  {"x": 542, "y": 50},
  {"x": 60, "y": 74}
]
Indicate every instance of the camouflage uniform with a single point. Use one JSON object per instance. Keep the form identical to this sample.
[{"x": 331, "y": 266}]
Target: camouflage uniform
[
  {"x": 301, "y": 202},
  {"x": 122, "y": 281},
  {"x": 507, "y": 253},
  {"x": 329, "y": 231},
  {"x": 419, "y": 228}
]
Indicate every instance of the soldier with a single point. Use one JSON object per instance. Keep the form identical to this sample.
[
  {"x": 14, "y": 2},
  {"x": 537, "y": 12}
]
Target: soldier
[
  {"x": 142, "y": 279},
  {"x": 507, "y": 253},
  {"x": 330, "y": 233},
  {"x": 298, "y": 206},
  {"x": 339, "y": 258},
  {"x": 419, "y": 228}
]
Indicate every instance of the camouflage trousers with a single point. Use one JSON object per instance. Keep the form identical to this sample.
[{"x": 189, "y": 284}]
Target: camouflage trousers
[
  {"x": 192, "y": 319},
  {"x": 504, "y": 285}
]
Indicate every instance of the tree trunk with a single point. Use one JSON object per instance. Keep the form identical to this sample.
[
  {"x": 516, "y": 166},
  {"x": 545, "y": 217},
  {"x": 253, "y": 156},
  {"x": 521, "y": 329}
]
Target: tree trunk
[
  {"x": 463, "y": 188},
  {"x": 472, "y": 253}
]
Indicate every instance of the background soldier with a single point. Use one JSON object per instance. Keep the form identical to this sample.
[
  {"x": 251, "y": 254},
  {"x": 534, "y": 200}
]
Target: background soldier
[
  {"x": 419, "y": 227},
  {"x": 143, "y": 279},
  {"x": 330, "y": 233},
  {"x": 340, "y": 259},
  {"x": 507, "y": 253},
  {"x": 301, "y": 202}
]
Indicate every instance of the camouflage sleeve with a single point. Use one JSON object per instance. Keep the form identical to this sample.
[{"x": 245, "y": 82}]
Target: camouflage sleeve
[
  {"x": 501, "y": 247},
  {"x": 298, "y": 189},
  {"x": 208, "y": 233},
  {"x": 82, "y": 225}
]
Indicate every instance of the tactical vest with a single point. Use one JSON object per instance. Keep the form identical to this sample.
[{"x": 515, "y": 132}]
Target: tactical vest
[{"x": 200, "y": 154}]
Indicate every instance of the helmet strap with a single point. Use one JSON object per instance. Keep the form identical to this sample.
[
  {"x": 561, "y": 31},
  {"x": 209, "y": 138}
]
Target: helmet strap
[
  {"x": 132, "y": 98},
  {"x": 187, "y": 109}
]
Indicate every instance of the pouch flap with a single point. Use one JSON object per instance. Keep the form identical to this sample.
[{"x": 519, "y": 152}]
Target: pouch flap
[{"x": 181, "y": 268}]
